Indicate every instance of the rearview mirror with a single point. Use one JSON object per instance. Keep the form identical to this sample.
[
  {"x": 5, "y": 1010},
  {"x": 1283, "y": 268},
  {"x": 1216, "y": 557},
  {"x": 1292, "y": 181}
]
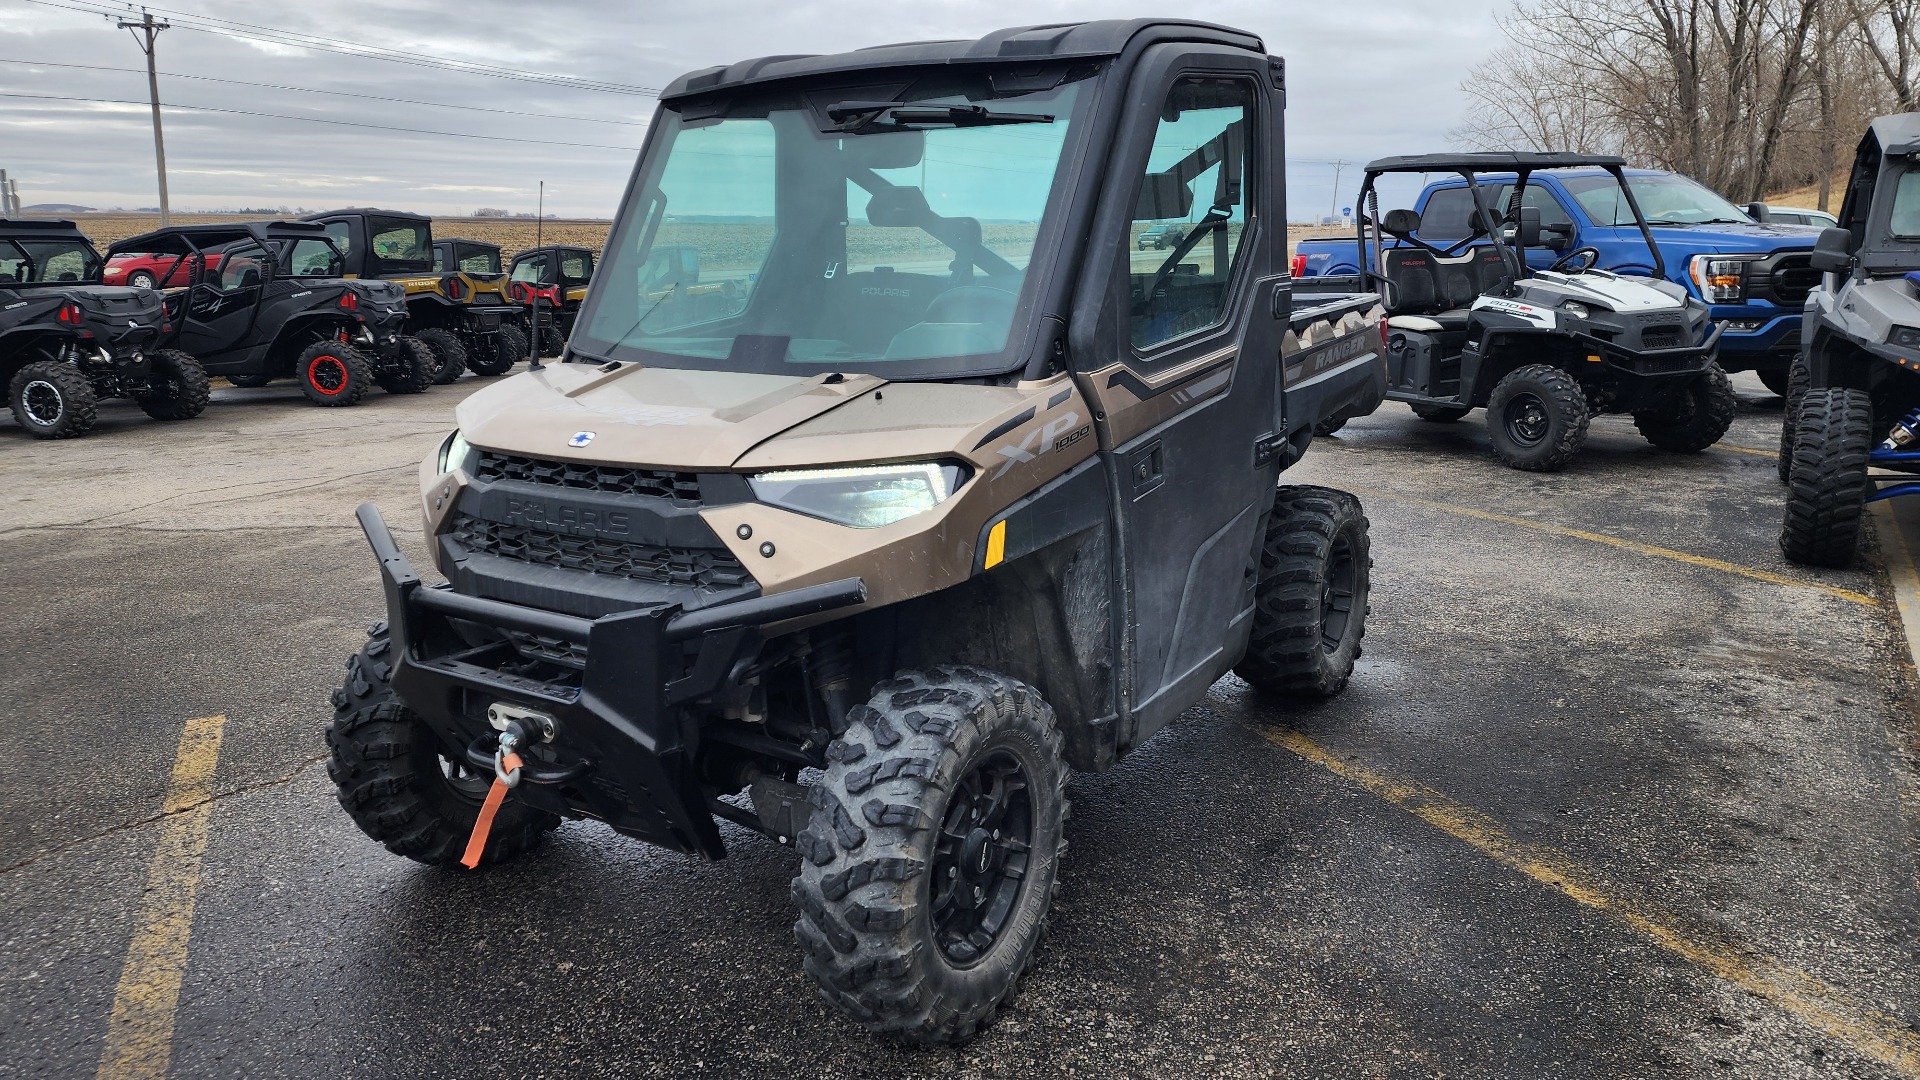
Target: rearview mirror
[
  {"x": 1833, "y": 252},
  {"x": 1163, "y": 196},
  {"x": 886, "y": 150},
  {"x": 898, "y": 207},
  {"x": 1557, "y": 237}
]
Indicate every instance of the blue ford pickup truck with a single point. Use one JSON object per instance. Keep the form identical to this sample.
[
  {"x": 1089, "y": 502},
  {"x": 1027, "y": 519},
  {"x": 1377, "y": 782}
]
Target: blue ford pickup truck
[{"x": 1755, "y": 277}]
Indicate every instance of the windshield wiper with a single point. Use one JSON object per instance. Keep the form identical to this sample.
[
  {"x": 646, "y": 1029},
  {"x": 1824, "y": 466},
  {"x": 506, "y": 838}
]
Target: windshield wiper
[{"x": 853, "y": 115}]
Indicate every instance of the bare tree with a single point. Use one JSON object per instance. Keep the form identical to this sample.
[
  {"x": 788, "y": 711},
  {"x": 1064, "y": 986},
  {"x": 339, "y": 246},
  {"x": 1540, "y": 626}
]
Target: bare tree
[{"x": 1890, "y": 31}]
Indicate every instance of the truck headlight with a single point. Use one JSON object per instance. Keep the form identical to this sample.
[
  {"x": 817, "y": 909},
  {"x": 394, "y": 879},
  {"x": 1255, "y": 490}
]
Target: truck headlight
[
  {"x": 865, "y": 496},
  {"x": 1576, "y": 309},
  {"x": 1721, "y": 279},
  {"x": 454, "y": 451}
]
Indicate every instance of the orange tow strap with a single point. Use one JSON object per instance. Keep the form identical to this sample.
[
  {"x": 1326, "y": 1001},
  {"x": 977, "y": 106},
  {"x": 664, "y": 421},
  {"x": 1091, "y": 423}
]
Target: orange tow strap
[{"x": 483, "y": 824}]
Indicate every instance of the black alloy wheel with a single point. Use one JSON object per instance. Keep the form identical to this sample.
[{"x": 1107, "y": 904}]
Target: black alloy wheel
[
  {"x": 1526, "y": 419},
  {"x": 1337, "y": 602},
  {"x": 980, "y": 858}
]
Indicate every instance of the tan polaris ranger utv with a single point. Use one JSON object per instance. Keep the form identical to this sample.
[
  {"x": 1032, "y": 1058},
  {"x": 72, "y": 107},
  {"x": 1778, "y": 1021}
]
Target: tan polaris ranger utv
[{"x": 933, "y": 489}]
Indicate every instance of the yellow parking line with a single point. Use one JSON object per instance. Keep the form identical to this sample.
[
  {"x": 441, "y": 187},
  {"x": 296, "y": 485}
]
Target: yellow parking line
[
  {"x": 1769, "y": 454},
  {"x": 1763, "y": 976},
  {"x": 140, "y": 1032},
  {"x": 1635, "y": 545}
]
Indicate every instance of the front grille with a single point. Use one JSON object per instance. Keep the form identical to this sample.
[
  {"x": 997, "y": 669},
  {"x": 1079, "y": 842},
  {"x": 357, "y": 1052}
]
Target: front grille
[
  {"x": 1660, "y": 339},
  {"x": 683, "y": 488},
  {"x": 691, "y": 567},
  {"x": 1792, "y": 281},
  {"x": 1665, "y": 365}
]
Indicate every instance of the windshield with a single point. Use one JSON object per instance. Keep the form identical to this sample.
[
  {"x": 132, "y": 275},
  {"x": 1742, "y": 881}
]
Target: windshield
[
  {"x": 773, "y": 241},
  {"x": 42, "y": 261},
  {"x": 1905, "y": 222},
  {"x": 401, "y": 243},
  {"x": 1666, "y": 200}
]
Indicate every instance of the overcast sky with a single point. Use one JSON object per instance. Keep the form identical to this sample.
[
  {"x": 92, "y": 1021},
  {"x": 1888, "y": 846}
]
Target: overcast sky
[{"x": 1366, "y": 78}]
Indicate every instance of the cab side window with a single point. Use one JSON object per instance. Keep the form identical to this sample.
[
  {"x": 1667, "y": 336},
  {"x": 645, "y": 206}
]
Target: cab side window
[
  {"x": 574, "y": 267},
  {"x": 531, "y": 269},
  {"x": 1191, "y": 212},
  {"x": 313, "y": 258},
  {"x": 242, "y": 268},
  {"x": 341, "y": 233}
]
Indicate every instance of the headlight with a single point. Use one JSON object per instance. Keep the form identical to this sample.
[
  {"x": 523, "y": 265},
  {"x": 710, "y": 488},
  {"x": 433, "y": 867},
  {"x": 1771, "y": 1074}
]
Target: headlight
[
  {"x": 1906, "y": 337},
  {"x": 1721, "y": 279},
  {"x": 864, "y": 497},
  {"x": 453, "y": 451},
  {"x": 1576, "y": 309}
]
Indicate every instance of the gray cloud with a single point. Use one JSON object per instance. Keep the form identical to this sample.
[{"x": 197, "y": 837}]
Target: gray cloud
[{"x": 1364, "y": 80}]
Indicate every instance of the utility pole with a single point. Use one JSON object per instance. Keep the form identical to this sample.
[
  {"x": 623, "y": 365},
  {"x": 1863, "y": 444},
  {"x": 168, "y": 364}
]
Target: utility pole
[
  {"x": 144, "y": 32},
  {"x": 1333, "y": 209}
]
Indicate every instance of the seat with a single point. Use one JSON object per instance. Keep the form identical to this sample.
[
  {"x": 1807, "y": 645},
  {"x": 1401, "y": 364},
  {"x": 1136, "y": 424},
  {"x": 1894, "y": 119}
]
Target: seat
[{"x": 1419, "y": 304}]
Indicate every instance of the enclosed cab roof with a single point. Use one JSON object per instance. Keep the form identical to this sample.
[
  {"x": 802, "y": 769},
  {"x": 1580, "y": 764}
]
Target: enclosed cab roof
[
  {"x": 1017, "y": 45},
  {"x": 1897, "y": 134},
  {"x": 365, "y": 211},
  {"x": 463, "y": 240}
]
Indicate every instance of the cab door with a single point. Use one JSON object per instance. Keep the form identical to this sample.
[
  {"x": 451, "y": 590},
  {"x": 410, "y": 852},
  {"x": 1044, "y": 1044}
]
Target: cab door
[
  {"x": 1179, "y": 349},
  {"x": 220, "y": 310}
]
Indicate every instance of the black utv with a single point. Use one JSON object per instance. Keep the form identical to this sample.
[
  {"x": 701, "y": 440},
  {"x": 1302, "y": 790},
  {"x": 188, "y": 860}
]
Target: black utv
[
  {"x": 464, "y": 316},
  {"x": 1853, "y": 397},
  {"x": 554, "y": 280},
  {"x": 1473, "y": 326},
  {"x": 66, "y": 341},
  {"x": 275, "y": 306}
]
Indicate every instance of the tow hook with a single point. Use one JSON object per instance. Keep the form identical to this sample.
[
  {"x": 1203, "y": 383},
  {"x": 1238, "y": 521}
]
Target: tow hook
[{"x": 516, "y": 727}]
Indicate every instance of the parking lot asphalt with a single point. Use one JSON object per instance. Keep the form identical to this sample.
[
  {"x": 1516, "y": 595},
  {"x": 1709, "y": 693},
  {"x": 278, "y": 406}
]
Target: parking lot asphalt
[{"x": 1615, "y": 792}]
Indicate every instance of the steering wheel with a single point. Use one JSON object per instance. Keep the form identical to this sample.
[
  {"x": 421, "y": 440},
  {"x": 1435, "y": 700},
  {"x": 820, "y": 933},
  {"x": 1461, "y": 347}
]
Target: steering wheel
[{"x": 1586, "y": 257}]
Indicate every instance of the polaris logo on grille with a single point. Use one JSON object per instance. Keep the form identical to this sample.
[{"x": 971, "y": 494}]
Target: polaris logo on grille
[
  {"x": 580, "y": 438},
  {"x": 528, "y": 513}
]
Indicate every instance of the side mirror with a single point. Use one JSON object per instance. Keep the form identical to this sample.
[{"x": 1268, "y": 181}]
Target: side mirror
[
  {"x": 1529, "y": 231},
  {"x": 1557, "y": 237},
  {"x": 1833, "y": 252},
  {"x": 1758, "y": 211}
]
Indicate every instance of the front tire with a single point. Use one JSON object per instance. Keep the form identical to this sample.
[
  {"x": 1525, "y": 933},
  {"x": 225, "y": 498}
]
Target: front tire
[
  {"x": 397, "y": 783},
  {"x": 509, "y": 348},
  {"x": 1827, "y": 490},
  {"x": 1696, "y": 418},
  {"x": 177, "y": 387},
  {"x": 552, "y": 341},
  {"x": 333, "y": 373},
  {"x": 1537, "y": 417},
  {"x": 1798, "y": 380},
  {"x": 51, "y": 400},
  {"x": 140, "y": 279},
  {"x": 933, "y": 853},
  {"x": 1310, "y": 600},
  {"x": 450, "y": 354},
  {"x": 411, "y": 372}
]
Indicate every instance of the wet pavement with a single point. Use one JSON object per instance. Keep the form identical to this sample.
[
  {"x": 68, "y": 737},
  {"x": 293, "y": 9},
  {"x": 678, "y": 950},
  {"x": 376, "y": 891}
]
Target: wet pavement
[{"x": 1615, "y": 792}]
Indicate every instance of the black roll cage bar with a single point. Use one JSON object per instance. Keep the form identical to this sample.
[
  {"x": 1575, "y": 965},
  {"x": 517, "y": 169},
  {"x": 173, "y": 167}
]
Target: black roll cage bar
[{"x": 264, "y": 233}]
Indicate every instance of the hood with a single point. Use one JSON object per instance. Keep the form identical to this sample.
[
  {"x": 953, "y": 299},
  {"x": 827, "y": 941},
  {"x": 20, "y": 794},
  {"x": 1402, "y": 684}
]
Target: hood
[
  {"x": 1732, "y": 239},
  {"x": 715, "y": 420},
  {"x": 1612, "y": 291}
]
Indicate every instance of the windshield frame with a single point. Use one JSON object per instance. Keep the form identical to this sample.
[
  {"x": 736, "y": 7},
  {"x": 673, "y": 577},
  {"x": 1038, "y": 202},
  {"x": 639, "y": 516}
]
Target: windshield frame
[{"x": 810, "y": 98}]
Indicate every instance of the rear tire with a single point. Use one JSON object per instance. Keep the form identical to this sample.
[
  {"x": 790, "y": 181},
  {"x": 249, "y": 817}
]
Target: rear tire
[
  {"x": 1537, "y": 417},
  {"x": 1440, "y": 414},
  {"x": 450, "y": 354},
  {"x": 179, "y": 387},
  {"x": 552, "y": 341},
  {"x": 333, "y": 373},
  {"x": 1310, "y": 601},
  {"x": 509, "y": 348},
  {"x": 397, "y": 783},
  {"x": 1798, "y": 380},
  {"x": 933, "y": 853},
  {"x": 1698, "y": 417},
  {"x": 411, "y": 372},
  {"x": 1827, "y": 490},
  {"x": 51, "y": 400}
]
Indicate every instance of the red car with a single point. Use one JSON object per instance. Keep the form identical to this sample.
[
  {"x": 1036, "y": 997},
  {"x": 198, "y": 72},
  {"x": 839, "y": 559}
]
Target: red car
[{"x": 143, "y": 271}]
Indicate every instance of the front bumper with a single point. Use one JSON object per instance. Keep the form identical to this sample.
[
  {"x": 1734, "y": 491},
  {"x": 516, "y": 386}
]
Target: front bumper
[
  {"x": 1633, "y": 364},
  {"x": 624, "y": 747},
  {"x": 1757, "y": 338}
]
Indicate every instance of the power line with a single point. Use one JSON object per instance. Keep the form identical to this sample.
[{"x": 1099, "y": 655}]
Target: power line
[
  {"x": 335, "y": 93},
  {"x": 320, "y": 120},
  {"x": 253, "y": 32}
]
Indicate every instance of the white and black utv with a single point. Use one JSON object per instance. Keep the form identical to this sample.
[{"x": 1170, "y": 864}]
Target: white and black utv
[{"x": 1472, "y": 326}]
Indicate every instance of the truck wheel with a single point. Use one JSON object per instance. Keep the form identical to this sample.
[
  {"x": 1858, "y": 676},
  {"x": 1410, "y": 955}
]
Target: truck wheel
[
  {"x": 1828, "y": 486},
  {"x": 1537, "y": 417},
  {"x": 933, "y": 853},
  {"x": 52, "y": 400},
  {"x": 1310, "y": 601},
  {"x": 509, "y": 348},
  {"x": 1776, "y": 379},
  {"x": 1440, "y": 414},
  {"x": 450, "y": 354},
  {"x": 1697, "y": 417},
  {"x": 411, "y": 369},
  {"x": 1798, "y": 379},
  {"x": 396, "y": 782},
  {"x": 1330, "y": 425},
  {"x": 333, "y": 373},
  {"x": 248, "y": 381},
  {"x": 177, "y": 387},
  {"x": 552, "y": 341}
]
